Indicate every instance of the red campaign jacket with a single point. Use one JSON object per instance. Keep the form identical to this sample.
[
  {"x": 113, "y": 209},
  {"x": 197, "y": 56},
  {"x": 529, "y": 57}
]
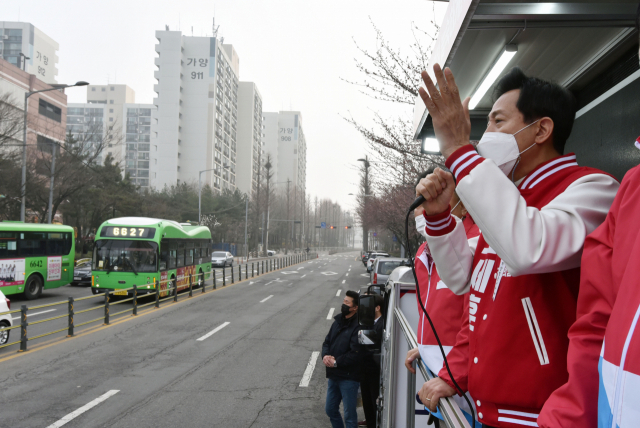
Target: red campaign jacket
[
  {"x": 518, "y": 325},
  {"x": 608, "y": 306},
  {"x": 446, "y": 309}
]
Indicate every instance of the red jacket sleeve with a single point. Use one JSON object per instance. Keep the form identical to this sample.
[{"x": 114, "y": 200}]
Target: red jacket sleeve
[
  {"x": 458, "y": 357},
  {"x": 576, "y": 402}
]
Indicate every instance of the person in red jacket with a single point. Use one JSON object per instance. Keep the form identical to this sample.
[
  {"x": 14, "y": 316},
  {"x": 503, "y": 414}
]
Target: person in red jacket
[
  {"x": 604, "y": 343},
  {"x": 535, "y": 208},
  {"x": 447, "y": 310}
]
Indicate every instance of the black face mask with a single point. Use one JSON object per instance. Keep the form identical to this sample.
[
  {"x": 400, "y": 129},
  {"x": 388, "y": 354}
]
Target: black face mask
[{"x": 345, "y": 310}]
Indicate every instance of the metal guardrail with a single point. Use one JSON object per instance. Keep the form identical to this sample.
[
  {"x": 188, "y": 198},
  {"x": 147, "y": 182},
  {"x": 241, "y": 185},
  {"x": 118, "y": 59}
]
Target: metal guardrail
[
  {"x": 170, "y": 292},
  {"x": 453, "y": 416}
]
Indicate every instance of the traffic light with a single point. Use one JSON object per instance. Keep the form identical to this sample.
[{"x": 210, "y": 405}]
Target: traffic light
[
  {"x": 346, "y": 227},
  {"x": 331, "y": 227}
]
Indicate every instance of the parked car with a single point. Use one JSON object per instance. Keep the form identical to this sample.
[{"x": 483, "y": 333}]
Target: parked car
[
  {"x": 382, "y": 268},
  {"x": 365, "y": 257},
  {"x": 5, "y": 320},
  {"x": 221, "y": 258},
  {"x": 82, "y": 274},
  {"x": 372, "y": 258},
  {"x": 271, "y": 253}
]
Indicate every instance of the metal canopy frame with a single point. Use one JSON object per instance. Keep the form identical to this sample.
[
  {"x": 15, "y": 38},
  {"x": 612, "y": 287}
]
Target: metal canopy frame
[{"x": 477, "y": 15}]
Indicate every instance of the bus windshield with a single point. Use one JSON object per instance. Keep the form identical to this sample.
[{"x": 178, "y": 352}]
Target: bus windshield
[{"x": 125, "y": 256}]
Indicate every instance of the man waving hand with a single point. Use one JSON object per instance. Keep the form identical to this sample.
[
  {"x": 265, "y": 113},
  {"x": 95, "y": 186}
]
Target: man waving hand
[{"x": 534, "y": 207}]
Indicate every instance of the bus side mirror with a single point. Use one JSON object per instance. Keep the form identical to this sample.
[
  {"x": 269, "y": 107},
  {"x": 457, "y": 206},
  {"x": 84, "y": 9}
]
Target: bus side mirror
[
  {"x": 366, "y": 311},
  {"x": 368, "y": 337}
]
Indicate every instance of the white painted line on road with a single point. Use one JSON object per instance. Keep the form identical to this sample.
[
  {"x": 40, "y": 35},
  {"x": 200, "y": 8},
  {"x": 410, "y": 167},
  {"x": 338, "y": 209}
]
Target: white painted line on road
[
  {"x": 311, "y": 272},
  {"x": 265, "y": 299},
  {"x": 71, "y": 416},
  {"x": 349, "y": 269},
  {"x": 35, "y": 313},
  {"x": 344, "y": 280},
  {"x": 346, "y": 274},
  {"x": 214, "y": 331},
  {"x": 303, "y": 275},
  {"x": 306, "y": 377},
  {"x": 330, "y": 313},
  {"x": 338, "y": 293}
]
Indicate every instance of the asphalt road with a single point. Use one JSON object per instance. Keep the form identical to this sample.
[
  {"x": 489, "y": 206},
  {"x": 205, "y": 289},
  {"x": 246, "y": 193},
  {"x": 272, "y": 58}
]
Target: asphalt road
[
  {"x": 94, "y": 305},
  {"x": 234, "y": 357}
]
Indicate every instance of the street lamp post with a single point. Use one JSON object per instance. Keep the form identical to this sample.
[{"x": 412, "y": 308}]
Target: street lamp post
[
  {"x": 23, "y": 186},
  {"x": 200, "y": 190}
]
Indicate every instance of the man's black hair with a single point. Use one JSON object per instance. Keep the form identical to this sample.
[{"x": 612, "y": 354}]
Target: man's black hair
[
  {"x": 379, "y": 301},
  {"x": 422, "y": 175},
  {"x": 354, "y": 295},
  {"x": 539, "y": 98}
]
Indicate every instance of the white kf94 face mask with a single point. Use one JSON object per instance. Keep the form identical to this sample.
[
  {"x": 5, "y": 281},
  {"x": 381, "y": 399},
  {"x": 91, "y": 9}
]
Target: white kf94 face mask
[
  {"x": 502, "y": 149},
  {"x": 421, "y": 224}
]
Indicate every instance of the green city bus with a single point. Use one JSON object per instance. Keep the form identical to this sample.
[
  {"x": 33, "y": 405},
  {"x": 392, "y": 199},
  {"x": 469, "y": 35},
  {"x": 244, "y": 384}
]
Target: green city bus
[
  {"x": 34, "y": 257},
  {"x": 149, "y": 252}
]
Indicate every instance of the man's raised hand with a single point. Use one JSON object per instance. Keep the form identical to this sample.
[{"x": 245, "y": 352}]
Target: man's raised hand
[
  {"x": 450, "y": 117},
  {"x": 437, "y": 189}
]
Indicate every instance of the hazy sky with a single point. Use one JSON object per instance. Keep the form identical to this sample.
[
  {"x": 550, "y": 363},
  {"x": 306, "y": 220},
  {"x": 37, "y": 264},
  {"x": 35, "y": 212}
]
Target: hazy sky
[{"x": 296, "y": 51}]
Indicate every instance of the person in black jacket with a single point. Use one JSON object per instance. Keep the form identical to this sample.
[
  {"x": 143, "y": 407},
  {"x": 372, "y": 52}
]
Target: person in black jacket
[
  {"x": 370, "y": 373},
  {"x": 342, "y": 355}
]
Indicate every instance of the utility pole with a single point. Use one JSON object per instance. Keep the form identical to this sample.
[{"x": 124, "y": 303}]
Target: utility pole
[
  {"x": 288, "y": 209},
  {"x": 54, "y": 146},
  {"x": 365, "y": 234},
  {"x": 267, "y": 166}
]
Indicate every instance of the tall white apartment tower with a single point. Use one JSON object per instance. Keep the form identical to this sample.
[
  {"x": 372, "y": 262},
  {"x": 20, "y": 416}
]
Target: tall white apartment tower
[
  {"x": 194, "y": 126},
  {"x": 270, "y": 141},
  {"x": 292, "y": 150},
  {"x": 250, "y": 151},
  {"x": 28, "y": 48}
]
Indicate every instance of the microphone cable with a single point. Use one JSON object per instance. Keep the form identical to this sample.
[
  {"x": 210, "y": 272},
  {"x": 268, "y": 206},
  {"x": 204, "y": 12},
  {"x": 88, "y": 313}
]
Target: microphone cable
[{"x": 415, "y": 204}]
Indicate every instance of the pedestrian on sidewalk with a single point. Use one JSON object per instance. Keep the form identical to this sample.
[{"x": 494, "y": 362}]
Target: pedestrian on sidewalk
[
  {"x": 342, "y": 356},
  {"x": 370, "y": 376}
]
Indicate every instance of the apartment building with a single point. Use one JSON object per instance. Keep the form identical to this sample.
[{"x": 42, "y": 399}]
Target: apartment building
[
  {"x": 112, "y": 120},
  {"x": 194, "y": 128},
  {"x": 250, "y": 152},
  {"x": 29, "y": 49}
]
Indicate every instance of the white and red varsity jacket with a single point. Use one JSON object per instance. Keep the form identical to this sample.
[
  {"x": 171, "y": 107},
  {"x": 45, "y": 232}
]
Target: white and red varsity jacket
[
  {"x": 605, "y": 338},
  {"x": 523, "y": 277}
]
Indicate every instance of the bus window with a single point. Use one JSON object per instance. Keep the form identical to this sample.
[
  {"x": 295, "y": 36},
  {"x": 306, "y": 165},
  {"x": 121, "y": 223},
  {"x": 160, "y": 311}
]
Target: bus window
[
  {"x": 33, "y": 244},
  {"x": 172, "y": 255},
  {"x": 180, "y": 258},
  {"x": 59, "y": 244},
  {"x": 8, "y": 245},
  {"x": 189, "y": 254},
  {"x": 164, "y": 258},
  {"x": 125, "y": 256}
]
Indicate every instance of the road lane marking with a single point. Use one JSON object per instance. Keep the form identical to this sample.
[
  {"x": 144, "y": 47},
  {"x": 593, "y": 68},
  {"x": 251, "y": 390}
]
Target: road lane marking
[
  {"x": 349, "y": 269},
  {"x": 214, "y": 331},
  {"x": 330, "y": 313},
  {"x": 346, "y": 274},
  {"x": 35, "y": 313},
  {"x": 71, "y": 416},
  {"x": 311, "y": 272},
  {"x": 303, "y": 275},
  {"x": 338, "y": 293},
  {"x": 265, "y": 299},
  {"x": 306, "y": 377},
  {"x": 344, "y": 280}
]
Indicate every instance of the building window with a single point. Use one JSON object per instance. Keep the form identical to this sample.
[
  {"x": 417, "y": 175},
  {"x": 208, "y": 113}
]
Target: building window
[
  {"x": 49, "y": 110},
  {"x": 93, "y": 89},
  {"x": 45, "y": 145},
  {"x": 110, "y": 110},
  {"x": 104, "y": 89},
  {"x": 110, "y": 119},
  {"x": 110, "y": 101},
  {"x": 112, "y": 88}
]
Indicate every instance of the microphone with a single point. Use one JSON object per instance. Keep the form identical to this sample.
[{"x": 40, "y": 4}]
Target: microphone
[{"x": 419, "y": 201}]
